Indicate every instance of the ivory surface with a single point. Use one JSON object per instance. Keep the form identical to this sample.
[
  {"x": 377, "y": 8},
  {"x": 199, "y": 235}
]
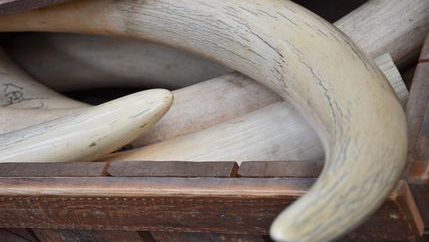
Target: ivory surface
[
  {"x": 379, "y": 26},
  {"x": 344, "y": 96},
  {"x": 89, "y": 134},
  {"x": 19, "y": 90},
  {"x": 67, "y": 62},
  {"x": 272, "y": 133}
]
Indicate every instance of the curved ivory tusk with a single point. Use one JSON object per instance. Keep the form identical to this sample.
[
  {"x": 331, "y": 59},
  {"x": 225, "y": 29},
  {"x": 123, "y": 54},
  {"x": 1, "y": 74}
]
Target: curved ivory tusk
[
  {"x": 97, "y": 61},
  {"x": 89, "y": 134},
  {"x": 346, "y": 98},
  {"x": 379, "y": 26},
  {"x": 272, "y": 133},
  {"x": 19, "y": 90}
]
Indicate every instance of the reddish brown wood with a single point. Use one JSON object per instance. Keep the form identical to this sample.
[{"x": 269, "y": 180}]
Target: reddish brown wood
[
  {"x": 79, "y": 169},
  {"x": 209, "y": 205},
  {"x": 304, "y": 169},
  {"x": 418, "y": 121},
  {"x": 421, "y": 195},
  {"x": 16, "y": 6},
  {"x": 45, "y": 235},
  {"x": 171, "y": 169},
  {"x": 204, "y": 237}
]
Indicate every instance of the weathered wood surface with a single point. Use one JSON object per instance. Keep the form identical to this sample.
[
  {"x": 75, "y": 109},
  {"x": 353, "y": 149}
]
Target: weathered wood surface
[
  {"x": 418, "y": 120},
  {"x": 421, "y": 195},
  {"x": 78, "y": 169},
  {"x": 172, "y": 169},
  {"x": 46, "y": 235},
  {"x": 16, "y": 6},
  {"x": 306, "y": 169},
  {"x": 246, "y": 206}
]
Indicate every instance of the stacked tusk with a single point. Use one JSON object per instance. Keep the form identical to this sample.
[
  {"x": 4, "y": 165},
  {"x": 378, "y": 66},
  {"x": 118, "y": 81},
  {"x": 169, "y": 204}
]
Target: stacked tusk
[
  {"x": 299, "y": 56},
  {"x": 88, "y": 134},
  {"x": 272, "y": 133},
  {"x": 199, "y": 107}
]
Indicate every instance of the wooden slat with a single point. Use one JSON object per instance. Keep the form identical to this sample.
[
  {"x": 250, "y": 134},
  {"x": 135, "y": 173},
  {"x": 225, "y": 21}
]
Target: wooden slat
[
  {"x": 424, "y": 57},
  {"x": 208, "y": 205},
  {"x": 172, "y": 169},
  {"x": 15, "y": 6},
  {"x": 304, "y": 169},
  {"x": 418, "y": 121},
  {"x": 46, "y": 235},
  {"x": 421, "y": 195},
  {"x": 204, "y": 237},
  {"x": 79, "y": 169}
]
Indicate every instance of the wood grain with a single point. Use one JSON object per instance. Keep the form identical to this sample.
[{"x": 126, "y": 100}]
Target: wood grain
[
  {"x": 306, "y": 169},
  {"x": 424, "y": 56},
  {"x": 81, "y": 169},
  {"x": 342, "y": 116},
  {"x": 46, "y": 235},
  {"x": 172, "y": 169},
  {"x": 248, "y": 209}
]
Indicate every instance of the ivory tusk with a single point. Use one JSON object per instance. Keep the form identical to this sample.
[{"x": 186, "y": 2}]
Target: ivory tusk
[
  {"x": 89, "y": 134},
  {"x": 379, "y": 26},
  {"x": 97, "y": 61},
  {"x": 346, "y": 98},
  {"x": 272, "y": 133},
  {"x": 19, "y": 90}
]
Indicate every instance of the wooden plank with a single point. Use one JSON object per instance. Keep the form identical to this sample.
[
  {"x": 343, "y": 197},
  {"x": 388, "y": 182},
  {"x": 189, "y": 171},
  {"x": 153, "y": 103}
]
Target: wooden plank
[
  {"x": 207, "y": 205},
  {"x": 424, "y": 56},
  {"x": 421, "y": 195},
  {"x": 172, "y": 169},
  {"x": 79, "y": 169},
  {"x": 15, "y": 6},
  {"x": 206, "y": 237},
  {"x": 418, "y": 122},
  {"x": 304, "y": 169},
  {"x": 46, "y": 235}
]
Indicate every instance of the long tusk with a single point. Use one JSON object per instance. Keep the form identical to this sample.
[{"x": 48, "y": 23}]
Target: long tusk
[
  {"x": 89, "y": 134},
  {"x": 19, "y": 90},
  {"x": 346, "y": 98},
  {"x": 272, "y": 133},
  {"x": 96, "y": 61},
  {"x": 195, "y": 108},
  {"x": 379, "y": 26}
]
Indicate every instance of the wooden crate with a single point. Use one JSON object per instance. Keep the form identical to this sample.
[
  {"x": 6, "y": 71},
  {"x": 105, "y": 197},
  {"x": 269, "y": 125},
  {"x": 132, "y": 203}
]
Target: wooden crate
[{"x": 170, "y": 199}]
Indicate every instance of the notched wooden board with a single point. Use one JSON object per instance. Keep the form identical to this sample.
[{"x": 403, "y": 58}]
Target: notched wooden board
[
  {"x": 172, "y": 169},
  {"x": 303, "y": 169},
  {"x": 78, "y": 169}
]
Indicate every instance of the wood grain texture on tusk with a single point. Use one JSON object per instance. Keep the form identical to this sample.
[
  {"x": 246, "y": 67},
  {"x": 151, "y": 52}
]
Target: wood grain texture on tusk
[
  {"x": 89, "y": 134},
  {"x": 345, "y": 97},
  {"x": 272, "y": 133}
]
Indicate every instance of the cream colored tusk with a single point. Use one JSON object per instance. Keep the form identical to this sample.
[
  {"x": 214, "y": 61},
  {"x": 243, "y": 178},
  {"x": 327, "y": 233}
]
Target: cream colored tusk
[
  {"x": 272, "y": 133},
  {"x": 89, "y": 134},
  {"x": 73, "y": 62},
  {"x": 19, "y": 90},
  {"x": 346, "y": 98},
  {"x": 206, "y": 108},
  {"x": 379, "y": 26}
]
